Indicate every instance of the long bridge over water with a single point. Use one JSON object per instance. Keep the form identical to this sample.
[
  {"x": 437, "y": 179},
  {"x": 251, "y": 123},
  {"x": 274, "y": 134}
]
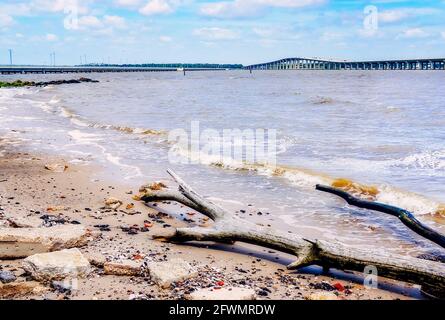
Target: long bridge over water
[
  {"x": 90, "y": 69},
  {"x": 316, "y": 64}
]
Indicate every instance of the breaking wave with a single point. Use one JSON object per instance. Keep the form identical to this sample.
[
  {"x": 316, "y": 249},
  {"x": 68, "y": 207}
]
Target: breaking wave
[{"x": 80, "y": 121}]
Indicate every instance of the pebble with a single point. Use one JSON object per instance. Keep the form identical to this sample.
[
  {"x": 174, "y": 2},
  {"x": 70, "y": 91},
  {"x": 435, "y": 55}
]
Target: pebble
[{"x": 7, "y": 277}]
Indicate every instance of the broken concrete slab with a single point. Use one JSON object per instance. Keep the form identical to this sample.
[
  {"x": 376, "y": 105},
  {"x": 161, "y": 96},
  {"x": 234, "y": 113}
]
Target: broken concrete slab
[
  {"x": 23, "y": 242},
  {"x": 96, "y": 259},
  {"x": 21, "y": 289},
  {"x": 58, "y": 265},
  {"x": 322, "y": 296},
  {"x": 123, "y": 268},
  {"x": 167, "y": 272},
  {"x": 24, "y": 222},
  {"x": 231, "y": 293}
]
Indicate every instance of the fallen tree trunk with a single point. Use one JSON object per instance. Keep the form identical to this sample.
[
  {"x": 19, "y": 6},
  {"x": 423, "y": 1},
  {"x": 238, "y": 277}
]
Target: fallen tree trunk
[
  {"x": 405, "y": 216},
  {"x": 228, "y": 227}
]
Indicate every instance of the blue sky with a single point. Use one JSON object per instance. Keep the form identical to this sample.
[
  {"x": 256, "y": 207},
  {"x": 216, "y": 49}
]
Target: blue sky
[{"x": 223, "y": 31}]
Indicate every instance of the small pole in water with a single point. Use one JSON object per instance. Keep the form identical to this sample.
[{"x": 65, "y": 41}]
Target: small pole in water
[
  {"x": 250, "y": 69},
  {"x": 184, "y": 72}
]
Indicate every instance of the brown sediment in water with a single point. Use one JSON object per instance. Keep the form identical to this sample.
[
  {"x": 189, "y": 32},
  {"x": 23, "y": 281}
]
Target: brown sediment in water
[{"x": 355, "y": 188}]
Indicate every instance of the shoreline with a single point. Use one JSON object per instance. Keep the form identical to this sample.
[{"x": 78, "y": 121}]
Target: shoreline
[{"x": 28, "y": 190}]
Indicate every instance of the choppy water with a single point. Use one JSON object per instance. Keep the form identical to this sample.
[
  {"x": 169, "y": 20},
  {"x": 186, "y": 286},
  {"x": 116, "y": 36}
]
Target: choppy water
[{"x": 377, "y": 128}]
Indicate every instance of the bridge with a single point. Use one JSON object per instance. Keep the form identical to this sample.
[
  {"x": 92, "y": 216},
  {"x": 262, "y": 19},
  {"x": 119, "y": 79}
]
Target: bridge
[
  {"x": 90, "y": 69},
  {"x": 316, "y": 64}
]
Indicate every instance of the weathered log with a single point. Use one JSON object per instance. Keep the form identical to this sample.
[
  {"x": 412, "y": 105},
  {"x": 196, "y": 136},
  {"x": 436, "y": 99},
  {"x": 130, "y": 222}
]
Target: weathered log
[
  {"x": 405, "y": 216},
  {"x": 228, "y": 227}
]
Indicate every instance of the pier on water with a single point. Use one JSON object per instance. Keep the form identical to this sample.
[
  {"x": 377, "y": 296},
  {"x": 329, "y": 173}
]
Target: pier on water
[
  {"x": 315, "y": 64},
  {"x": 49, "y": 70}
]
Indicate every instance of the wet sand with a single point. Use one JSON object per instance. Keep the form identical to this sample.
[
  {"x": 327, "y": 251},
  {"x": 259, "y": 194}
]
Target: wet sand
[{"x": 28, "y": 190}]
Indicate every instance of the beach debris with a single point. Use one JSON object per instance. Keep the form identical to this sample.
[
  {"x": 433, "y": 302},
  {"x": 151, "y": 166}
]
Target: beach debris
[
  {"x": 55, "y": 208},
  {"x": 58, "y": 265},
  {"x": 56, "y": 167},
  {"x": 230, "y": 293},
  {"x": 21, "y": 289},
  {"x": 7, "y": 277},
  {"x": 65, "y": 287},
  {"x": 228, "y": 227},
  {"x": 123, "y": 268},
  {"x": 339, "y": 287},
  {"x": 322, "y": 296},
  {"x": 129, "y": 206},
  {"x": 155, "y": 186},
  {"x": 52, "y": 220},
  {"x": 23, "y": 242},
  {"x": 165, "y": 273},
  {"x": 322, "y": 286},
  {"x": 406, "y": 217},
  {"x": 113, "y": 203}
]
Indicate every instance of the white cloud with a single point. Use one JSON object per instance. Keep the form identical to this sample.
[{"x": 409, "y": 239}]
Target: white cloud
[
  {"x": 154, "y": 7},
  {"x": 165, "y": 39},
  {"x": 82, "y": 6},
  {"x": 51, "y": 37},
  {"x": 115, "y": 21},
  {"x": 215, "y": 33},
  {"x": 5, "y": 20},
  {"x": 396, "y": 15},
  {"x": 443, "y": 34},
  {"x": 101, "y": 25},
  {"x": 414, "y": 33},
  {"x": 89, "y": 22},
  {"x": 128, "y": 3},
  {"x": 244, "y": 8}
]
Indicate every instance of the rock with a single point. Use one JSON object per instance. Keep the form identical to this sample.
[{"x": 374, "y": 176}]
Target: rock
[
  {"x": 23, "y": 242},
  {"x": 123, "y": 268},
  {"x": 97, "y": 260},
  {"x": 28, "y": 222},
  {"x": 20, "y": 289},
  {"x": 167, "y": 272},
  {"x": 55, "y": 208},
  {"x": 63, "y": 286},
  {"x": 68, "y": 263},
  {"x": 323, "y": 296},
  {"x": 230, "y": 293},
  {"x": 156, "y": 186},
  {"x": 113, "y": 203},
  {"x": 7, "y": 277},
  {"x": 56, "y": 167}
]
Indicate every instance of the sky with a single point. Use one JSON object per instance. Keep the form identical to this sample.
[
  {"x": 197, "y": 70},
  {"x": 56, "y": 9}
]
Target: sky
[{"x": 218, "y": 31}]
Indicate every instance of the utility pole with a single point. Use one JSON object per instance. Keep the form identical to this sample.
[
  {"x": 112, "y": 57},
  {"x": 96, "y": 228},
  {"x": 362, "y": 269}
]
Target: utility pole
[
  {"x": 10, "y": 57},
  {"x": 54, "y": 55}
]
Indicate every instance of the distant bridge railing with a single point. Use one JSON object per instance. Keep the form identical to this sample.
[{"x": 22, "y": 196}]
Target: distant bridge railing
[{"x": 315, "y": 64}]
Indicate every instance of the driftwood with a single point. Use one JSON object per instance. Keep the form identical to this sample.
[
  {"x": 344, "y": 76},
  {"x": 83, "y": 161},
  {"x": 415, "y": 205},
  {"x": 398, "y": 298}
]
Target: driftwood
[
  {"x": 405, "y": 216},
  {"x": 229, "y": 228}
]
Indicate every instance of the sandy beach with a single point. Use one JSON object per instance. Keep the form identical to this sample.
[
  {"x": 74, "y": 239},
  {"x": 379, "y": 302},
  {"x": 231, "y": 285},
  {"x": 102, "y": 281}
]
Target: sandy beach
[{"x": 29, "y": 191}]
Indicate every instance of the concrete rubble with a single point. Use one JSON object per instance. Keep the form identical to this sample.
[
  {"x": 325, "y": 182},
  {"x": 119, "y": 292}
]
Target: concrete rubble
[
  {"x": 22, "y": 242},
  {"x": 68, "y": 263},
  {"x": 165, "y": 273}
]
